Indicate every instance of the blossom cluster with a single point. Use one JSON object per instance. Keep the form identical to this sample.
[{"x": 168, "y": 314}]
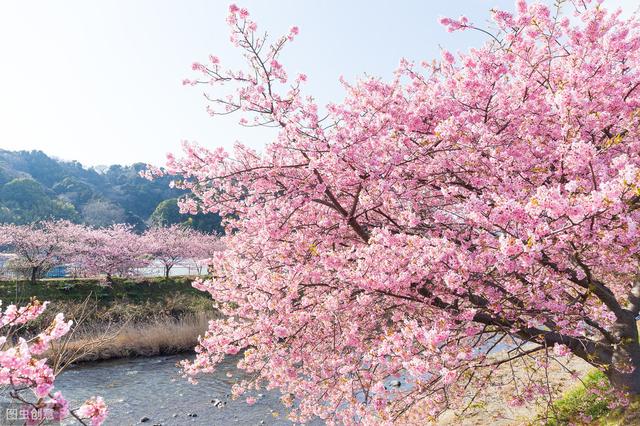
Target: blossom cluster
[{"x": 26, "y": 375}]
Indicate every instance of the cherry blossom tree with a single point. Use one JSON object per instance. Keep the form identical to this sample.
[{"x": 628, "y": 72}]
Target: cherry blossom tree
[
  {"x": 40, "y": 245},
  {"x": 203, "y": 248},
  {"x": 169, "y": 245},
  {"x": 25, "y": 374},
  {"x": 491, "y": 196},
  {"x": 115, "y": 250},
  {"x": 174, "y": 244}
]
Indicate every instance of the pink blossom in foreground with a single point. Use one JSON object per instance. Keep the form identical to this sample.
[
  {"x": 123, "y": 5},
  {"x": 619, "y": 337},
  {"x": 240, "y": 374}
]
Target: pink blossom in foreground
[
  {"x": 422, "y": 221},
  {"x": 95, "y": 409},
  {"x": 28, "y": 378}
]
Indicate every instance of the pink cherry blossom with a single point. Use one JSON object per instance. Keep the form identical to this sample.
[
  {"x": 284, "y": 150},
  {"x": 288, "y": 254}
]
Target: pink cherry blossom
[
  {"x": 94, "y": 409},
  {"x": 408, "y": 229},
  {"x": 42, "y": 245},
  {"x": 111, "y": 251},
  {"x": 29, "y": 378}
]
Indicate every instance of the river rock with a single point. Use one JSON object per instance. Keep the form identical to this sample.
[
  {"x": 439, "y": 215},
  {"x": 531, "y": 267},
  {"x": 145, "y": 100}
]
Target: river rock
[
  {"x": 144, "y": 419},
  {"x": 217, "y": 403},
  {"x": 192, "y": 415},
  {"x": 395, "y": 383},
  {"x": 174, "y": 415}
]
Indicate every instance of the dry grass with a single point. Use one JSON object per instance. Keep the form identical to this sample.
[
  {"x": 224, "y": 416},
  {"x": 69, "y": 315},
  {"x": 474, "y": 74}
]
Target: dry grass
[
  {"x": 491, "y": 406},
  {"x": 160, "y": 336},
  {"x": 486, "y": 403}
]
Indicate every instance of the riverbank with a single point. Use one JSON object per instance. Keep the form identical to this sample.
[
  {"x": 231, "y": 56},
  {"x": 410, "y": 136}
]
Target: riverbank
[
  {"x": 159, "y": 336},
  {"x": 143, "y": 318},
  {"x": 491, "y": 404},
  {"x": 575, "y": 386},
  {"x": 126, "y": 318}
]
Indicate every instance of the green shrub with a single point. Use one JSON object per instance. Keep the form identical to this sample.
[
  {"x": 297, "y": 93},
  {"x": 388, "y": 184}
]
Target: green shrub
[{"x": 587, "y": 399}]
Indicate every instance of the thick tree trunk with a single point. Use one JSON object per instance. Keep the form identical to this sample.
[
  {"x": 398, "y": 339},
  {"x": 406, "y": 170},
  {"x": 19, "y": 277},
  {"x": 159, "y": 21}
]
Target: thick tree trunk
[
  {"x": 624, "y": 370},
  {"x": 167, "y": 269},
  {"x": 628, "y": 382},
  {"x": 34, "y": 275},
  {"x": 109, "y": 278}
]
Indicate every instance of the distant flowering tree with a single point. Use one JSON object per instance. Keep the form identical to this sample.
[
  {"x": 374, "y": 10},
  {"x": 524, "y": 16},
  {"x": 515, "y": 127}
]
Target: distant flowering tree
[
  {"x": 41, "y": 245},
  {"x": 25, "y": 375},
  {"x": 492, "y": 194},
  {"x": 179, "y": 243},
  {"x": 203, "y": 248},
  {"x": 112, "y": 251},
  {"x": 169, "y": 245},
  {"x": 115, "y": 250}
]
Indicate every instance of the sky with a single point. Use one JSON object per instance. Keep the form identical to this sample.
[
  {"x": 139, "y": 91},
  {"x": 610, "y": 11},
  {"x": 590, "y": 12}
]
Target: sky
[{"x": 100, "y": 82}]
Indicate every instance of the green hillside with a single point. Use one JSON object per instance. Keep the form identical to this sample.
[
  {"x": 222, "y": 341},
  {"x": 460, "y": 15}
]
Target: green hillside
[{"x": 34, "y": 186}]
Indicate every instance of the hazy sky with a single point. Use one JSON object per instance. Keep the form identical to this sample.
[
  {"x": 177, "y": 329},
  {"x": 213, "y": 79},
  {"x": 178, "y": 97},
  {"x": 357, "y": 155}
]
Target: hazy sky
[{"x": 100, "y": 81}]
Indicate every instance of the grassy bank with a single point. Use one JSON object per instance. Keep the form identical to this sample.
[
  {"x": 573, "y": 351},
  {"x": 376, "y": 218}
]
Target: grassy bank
[
  {"x": 130, "y": 290},
  {"x": 582, "y": 405},
  {"x": 130, "y": 317},
  {"x": 125, "y": 300}
]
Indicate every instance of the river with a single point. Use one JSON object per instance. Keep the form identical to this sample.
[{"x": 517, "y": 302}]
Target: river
[{"x": 154, "y": 388}]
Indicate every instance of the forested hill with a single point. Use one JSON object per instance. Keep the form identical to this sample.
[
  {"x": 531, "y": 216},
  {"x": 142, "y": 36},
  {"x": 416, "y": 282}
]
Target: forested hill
[{"x": 34, "y": 186}]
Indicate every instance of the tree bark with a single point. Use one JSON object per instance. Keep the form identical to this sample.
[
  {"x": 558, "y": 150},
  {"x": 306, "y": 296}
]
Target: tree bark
[
  {"x": 167, "y": 269},
  {"x": 34, "y": 274},
  {"x": 624, "y": 369},
  {"x": 628, "y": 382}
]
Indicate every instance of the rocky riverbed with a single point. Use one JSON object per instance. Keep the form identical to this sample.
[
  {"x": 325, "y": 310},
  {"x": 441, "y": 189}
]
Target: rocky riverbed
[{"x": 151, "y": 391}]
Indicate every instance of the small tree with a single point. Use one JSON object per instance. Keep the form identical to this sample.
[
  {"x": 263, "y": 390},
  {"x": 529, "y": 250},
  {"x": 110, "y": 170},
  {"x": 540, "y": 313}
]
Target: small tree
[
  {"x": 112, "y": 251},
  {"x": 41, "y": 245},
  {"x": 174, "y": 244}
]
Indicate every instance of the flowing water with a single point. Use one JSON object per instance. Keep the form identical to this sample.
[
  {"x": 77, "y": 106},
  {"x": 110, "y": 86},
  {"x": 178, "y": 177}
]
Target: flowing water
[{"x": 154, "y": 388}]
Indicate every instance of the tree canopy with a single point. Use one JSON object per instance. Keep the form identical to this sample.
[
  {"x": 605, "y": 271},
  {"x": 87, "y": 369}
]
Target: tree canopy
[{"x": 490, "y": 197}]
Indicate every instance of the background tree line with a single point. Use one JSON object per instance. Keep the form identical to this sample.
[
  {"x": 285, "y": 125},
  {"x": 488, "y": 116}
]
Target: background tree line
[{"x": 36, "y": 187}]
